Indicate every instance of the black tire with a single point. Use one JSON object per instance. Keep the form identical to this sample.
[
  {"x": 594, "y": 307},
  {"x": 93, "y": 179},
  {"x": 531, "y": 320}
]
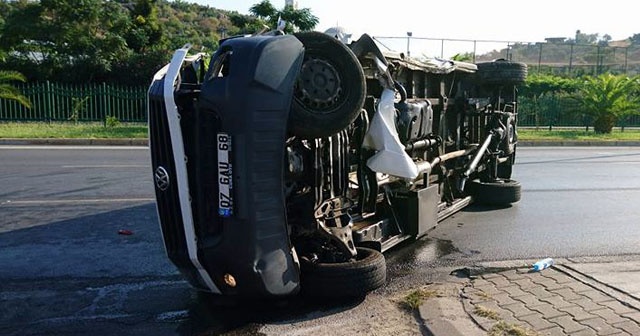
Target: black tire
[
  {"x": 500, "y": 192},
  {"x": 330, "y": 89},
  {"x": 502, "y": 72},
  {"x": 345, "y": 280}
]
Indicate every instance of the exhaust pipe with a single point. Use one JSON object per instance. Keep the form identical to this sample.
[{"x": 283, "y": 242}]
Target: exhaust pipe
[{"x": 426, "y": 166}]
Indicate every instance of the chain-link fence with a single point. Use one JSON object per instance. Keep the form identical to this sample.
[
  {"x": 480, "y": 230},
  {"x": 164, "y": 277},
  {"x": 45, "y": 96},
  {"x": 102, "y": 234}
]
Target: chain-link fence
[{"x": 555, "y": 56}]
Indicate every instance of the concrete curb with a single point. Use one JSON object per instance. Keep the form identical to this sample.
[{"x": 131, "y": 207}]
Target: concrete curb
[
  {"x": 542, "y": 143},
  {"x": 445, "y": 314}
]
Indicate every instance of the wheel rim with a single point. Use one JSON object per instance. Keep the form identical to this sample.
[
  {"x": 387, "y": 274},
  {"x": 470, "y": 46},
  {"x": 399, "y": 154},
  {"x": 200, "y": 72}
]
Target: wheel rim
[{"x": 318, "y": 86}]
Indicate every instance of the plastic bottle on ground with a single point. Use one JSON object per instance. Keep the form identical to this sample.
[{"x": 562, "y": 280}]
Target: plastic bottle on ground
[{"x": 542, "y": 264}]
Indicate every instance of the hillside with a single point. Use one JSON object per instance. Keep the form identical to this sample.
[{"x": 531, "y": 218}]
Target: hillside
[
  {"x": 203, "y": 26},
  {"x": 577, "y": 59}
]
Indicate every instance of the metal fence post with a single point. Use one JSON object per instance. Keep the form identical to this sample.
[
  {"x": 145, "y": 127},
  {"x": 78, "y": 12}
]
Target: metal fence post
[
  {"x": 105, "y": 104},
  {"x": 146, "y": 104},
  {"x": 49, "y": 102}
]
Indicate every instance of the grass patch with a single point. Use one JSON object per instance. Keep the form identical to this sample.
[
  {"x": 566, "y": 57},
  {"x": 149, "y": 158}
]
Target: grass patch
[
  {"x": 577, "y": 135},
  {"x": 482, "y": 294},
  {"x": 41, "y": 130},
  {"x": 71, "y": 131},
  {"x": 486, "y": 312},
  {"x": 414, "y": 299},
  {"x": 503, "y": 328}
]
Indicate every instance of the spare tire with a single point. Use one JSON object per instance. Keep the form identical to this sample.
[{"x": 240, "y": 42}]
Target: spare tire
[
  {"x": 502, "y": 71},
  {"x": 330, "y": 89}
]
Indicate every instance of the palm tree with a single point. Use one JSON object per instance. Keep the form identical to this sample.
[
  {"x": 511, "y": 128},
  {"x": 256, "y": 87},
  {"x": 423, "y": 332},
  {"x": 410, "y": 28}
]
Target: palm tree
[
  {"x": 607, "y": 98},
  {"x": 297, "y": 19},
  {"x": 8, "y": 91}
]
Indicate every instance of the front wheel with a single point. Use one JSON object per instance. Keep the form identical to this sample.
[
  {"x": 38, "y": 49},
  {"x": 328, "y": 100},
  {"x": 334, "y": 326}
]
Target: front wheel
[
  {"x": 330, "y": 89},
  {"x": 354, "y": 278}
]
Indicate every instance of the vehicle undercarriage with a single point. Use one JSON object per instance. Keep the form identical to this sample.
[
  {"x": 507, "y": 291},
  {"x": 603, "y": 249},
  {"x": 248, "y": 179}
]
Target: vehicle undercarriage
[{"x": 293, "y": 161}]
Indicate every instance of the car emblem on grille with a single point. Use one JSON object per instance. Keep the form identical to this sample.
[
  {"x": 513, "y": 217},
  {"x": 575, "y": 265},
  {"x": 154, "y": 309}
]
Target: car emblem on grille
[{"x": 161, "y": 178}]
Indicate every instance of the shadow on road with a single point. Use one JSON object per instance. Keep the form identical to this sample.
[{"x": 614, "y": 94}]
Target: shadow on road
[
  {"x": 80, "y": 276},
  {"x": 209, "y": 315}
]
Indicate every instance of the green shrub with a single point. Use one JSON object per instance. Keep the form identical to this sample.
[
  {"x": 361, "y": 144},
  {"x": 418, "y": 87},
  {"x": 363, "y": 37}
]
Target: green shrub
[{"x": 112, "y": 122}]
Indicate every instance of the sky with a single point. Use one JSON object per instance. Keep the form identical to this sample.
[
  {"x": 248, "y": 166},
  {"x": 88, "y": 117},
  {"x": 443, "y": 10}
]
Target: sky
[{"x": 463, "y": 19}]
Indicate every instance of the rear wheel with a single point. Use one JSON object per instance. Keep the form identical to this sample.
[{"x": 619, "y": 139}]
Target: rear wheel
[
  {"x": 330, "y": 89},
  {"x": 353, "y": 278},
  {"x": 498, "y": 192}
]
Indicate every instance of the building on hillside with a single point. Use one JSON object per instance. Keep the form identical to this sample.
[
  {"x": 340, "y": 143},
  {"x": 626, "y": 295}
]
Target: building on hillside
[
  {"x": 620, "y": 44},
  {"x": 556, "y": 40}
]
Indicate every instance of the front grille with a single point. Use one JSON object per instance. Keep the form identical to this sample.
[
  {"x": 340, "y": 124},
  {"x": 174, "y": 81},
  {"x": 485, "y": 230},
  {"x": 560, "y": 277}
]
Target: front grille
[
  {"x": 199, "y": 131},
  {"x": 168, "y": 201}
]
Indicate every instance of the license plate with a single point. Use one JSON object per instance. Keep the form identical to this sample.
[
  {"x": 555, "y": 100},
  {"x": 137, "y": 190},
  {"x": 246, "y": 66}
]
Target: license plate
[{"x": 225, "y": 185}]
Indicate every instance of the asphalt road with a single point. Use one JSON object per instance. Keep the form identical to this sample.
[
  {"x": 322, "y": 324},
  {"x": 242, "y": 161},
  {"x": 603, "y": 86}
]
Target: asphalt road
[
  {"x": 65, "y": 270},
  {"x": 576, "y": 202}
]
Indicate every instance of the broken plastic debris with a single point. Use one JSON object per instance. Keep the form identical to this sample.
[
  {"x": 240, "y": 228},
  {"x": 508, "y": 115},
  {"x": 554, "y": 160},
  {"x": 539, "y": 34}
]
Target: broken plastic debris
[
  {"x": 542, "y": 264},
  {"x": 382, "y": 136},
  {"x": 125, "y": 232}
]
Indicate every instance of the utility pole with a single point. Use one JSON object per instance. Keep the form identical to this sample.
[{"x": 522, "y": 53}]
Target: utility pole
[{"x": 540, "y": 57}]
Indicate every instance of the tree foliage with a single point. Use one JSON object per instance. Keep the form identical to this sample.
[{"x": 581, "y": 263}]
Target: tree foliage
[
  {"x": 144, "y": 31},
  {"x": 541, "y": 95},
  {"x": 122, "y": 41},
  {"x": 8, "y": 91},
  {"x": 297, "y": 19},
  {"x": 601, "y": 101},
  {"x": 48, "y": 38},
  {"x": 538, "y": 84},
  {"x": 462, "y": 57},
  {"x": 607, "y": 98}
]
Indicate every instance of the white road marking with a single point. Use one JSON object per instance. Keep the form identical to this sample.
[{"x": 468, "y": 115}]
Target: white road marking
[
  {"x": 173, "y": 316},
  {"x": 76, "y": 201},
  {"x": 107, "y": 166}
]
